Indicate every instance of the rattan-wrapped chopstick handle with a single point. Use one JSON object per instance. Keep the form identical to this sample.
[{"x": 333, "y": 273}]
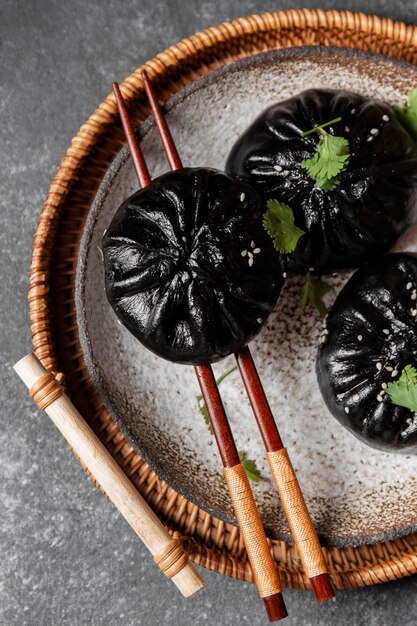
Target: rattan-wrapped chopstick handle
[
  {"x": 168, "y": 552},
  {"x": 250, "y": 524},
  {"x": 297, "y": 514}
]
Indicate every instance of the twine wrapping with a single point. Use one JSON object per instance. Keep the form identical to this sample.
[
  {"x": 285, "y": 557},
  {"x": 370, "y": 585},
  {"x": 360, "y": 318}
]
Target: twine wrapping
[
  {"x": 45, "y": 391},
  {"x": 298, "y": 517},
  {"x": 251, "y": 527},
  {"x": 172, "y": 558}
]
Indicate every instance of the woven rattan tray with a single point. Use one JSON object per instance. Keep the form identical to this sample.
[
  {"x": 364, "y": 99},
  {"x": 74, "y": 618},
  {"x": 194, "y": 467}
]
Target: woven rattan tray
[{"x": 212, "y": 543}]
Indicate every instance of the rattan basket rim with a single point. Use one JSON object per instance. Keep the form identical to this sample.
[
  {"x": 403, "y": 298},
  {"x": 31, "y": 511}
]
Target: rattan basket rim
[{"x": 212, "y": 543}]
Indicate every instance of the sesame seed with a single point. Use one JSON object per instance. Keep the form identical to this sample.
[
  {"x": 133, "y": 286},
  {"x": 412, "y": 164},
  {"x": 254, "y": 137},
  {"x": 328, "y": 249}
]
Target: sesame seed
[
  {"x": 409, "y": 285},
  {"x": 394, "y": 373},
  {"x": 250, "y": 255},
  {"x": 413, "y": 312},
  {"x": 277, "y": 168},
  {"x": 384, "y": 385},
  {"x": 370, "y": 138},
  {"x": 311, "y": 269},
  {"x": 389, "y": 368},
  {"x": 403, "y": 434},
  {"x": 259, "y": 320},
  {"x": 386, "y": 331},
  {"x": 374, "y": 131},
  {"x": 346, "y": 409},
  {"x": 244, "y": 252},
  {"x": 385, "y": 118},
  {"x": 356, "y": 397},
  {"x": 347, "y": 129},
  {"x": 250, "y": 262},
  {"x": 381, "y": 393},
  {"x": 242, "y": 197},
  {"x": 414, "y": 295},
  {"x": 284, "y": 274},
  {"x": 379, "y": 366},
  {"x": 252, "y": 244},
  {"x": 353, "y": 111},
  {"x": 409, "y": 421},
  {"x": 184, "y": 239},
  {"x": 256, "y": 250},
  {"x": 379, "y": 398},
  {"x": 360, "y": 337}
]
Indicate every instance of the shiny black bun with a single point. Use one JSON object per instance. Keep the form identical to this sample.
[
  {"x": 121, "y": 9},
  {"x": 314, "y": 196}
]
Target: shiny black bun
[
  {"x": 375, "y": 200},
  {"x": 189, "y": 268},
  {"x": 370, "y": 336}
]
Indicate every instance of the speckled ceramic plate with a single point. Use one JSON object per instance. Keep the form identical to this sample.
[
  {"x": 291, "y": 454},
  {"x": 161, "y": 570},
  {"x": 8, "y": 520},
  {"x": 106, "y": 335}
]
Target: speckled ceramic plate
[{"x": 356, "y": 495}]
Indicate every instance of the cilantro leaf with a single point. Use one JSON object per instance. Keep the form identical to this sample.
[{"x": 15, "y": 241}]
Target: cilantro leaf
[
  {"x": 403, "y": 392},
  {"x": 202, "y": 405},
  {"x": 203, "y": 410},
  {"x": 409, "y": 375},
  {"x": 329, "y": 161},
  {"x": 252, "y": 472},
  {"x": 314, "y": 291},
  {"x": 278, "y": 222},
  {"x": 407, "y": 115}
]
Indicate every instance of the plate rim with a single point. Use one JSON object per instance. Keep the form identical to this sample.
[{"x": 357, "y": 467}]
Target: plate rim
[{"x": 108, "y": 180}]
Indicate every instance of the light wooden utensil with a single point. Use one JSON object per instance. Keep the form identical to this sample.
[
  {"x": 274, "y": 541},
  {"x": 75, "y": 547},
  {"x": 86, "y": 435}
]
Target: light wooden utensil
[{"x": 168, "y": 553}]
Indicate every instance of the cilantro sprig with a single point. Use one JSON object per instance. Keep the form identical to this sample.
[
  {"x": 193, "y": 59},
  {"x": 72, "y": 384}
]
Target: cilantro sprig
[
  {"x": 403, "y": 392},
  {"x": 314, "y": 291},
  {"x": 306, "y": 133},
  {"x": 407, "y": 115},
  {"x": 252, "y": 472},
  {"x": 278, "y": 222},
  {"x": 330, "y": 160}
]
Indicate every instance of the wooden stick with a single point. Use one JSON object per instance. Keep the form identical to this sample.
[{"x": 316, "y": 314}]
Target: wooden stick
[
  {"x": 168, "y": 143},
  {"x": 263, "y": 566},
  {"x": 288, "y": 488},
  {"x": 292, "y": 499},
  {"x": 137, "y": 157},
  {"x": 168, "y": 552}
]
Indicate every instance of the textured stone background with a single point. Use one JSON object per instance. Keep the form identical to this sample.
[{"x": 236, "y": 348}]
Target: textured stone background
[{"x": 67, "y": 557}]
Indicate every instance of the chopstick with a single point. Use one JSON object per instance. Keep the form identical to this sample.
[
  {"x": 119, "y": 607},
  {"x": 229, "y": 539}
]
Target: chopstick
[
  {"x": 286, "y": 482},
  {"x": 256, "y": 543},
  {"x": 168, "y": 553}
]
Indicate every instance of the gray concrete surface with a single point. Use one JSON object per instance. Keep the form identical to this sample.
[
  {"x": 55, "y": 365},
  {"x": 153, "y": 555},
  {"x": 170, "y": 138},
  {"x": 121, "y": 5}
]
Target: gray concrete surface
[{"x": 67, "y": 557}]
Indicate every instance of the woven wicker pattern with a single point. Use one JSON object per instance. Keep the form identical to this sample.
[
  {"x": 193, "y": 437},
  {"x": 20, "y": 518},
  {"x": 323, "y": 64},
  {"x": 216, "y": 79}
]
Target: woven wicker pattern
[{"x": 212, "y": 543}]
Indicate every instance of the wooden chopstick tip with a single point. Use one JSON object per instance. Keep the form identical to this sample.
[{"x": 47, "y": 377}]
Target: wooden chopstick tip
[
  {"x": 322, "y": 587},
  {"x": 116, "y": 90},
  {"x": 144, "y": 75},
  {"x": 275, "y": 607}
]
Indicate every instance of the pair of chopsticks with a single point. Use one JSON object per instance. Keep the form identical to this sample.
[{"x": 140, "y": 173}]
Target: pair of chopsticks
[{"x": 302, "y": 529}]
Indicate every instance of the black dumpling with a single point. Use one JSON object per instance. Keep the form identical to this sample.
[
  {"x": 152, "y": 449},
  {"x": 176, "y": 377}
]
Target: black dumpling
[
  {"x": 371, "y": 335},
  {"x": 376, "y": 199},
  {"x": 189, "y": 269}
]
